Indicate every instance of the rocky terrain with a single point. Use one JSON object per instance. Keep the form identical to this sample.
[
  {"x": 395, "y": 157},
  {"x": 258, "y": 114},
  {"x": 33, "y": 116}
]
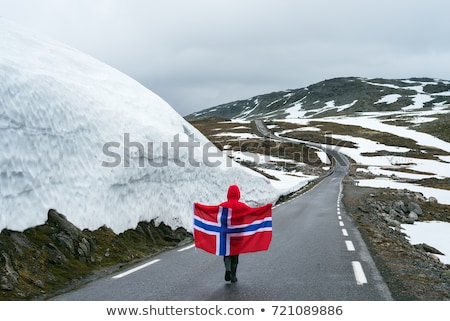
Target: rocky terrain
[
  {"x": 412, "y": 272},
  {"x": 57, "y": 256}
]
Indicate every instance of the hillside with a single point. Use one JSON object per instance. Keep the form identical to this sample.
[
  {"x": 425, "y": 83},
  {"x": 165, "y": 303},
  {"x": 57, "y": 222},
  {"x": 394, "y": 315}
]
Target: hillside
[
  {"x": 394, "y": 129},
  {"x": 337, "y": 97}
]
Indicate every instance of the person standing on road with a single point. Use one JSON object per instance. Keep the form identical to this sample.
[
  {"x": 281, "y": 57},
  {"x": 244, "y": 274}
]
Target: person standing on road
[
  {"x": 231, "y": 261},
  {"x": 232, "y": 228}
]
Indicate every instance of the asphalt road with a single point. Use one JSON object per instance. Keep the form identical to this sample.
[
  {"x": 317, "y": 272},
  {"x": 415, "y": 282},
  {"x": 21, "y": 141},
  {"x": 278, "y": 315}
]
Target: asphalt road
[{"x": 316, "y": 254}]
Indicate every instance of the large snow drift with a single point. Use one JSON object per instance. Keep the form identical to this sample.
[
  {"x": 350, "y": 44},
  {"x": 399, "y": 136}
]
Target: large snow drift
[{"x": 65, "y": 120}]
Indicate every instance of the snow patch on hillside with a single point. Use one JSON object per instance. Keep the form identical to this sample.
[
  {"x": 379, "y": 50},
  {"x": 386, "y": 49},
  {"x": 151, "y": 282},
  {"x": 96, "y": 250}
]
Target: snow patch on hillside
[{"x": 385, "y": 165}]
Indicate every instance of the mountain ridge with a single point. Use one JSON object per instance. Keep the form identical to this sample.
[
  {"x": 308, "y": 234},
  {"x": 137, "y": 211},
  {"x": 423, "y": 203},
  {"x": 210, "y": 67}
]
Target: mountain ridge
[{"x": 337, "y": 96}]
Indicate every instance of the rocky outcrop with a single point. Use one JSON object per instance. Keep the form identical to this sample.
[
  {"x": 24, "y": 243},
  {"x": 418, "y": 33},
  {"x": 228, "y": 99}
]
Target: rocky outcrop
[
  {"x": 395, "y": 212},
  {"x": 47, "y": 259},
  {"x": 9, "y": 276}
]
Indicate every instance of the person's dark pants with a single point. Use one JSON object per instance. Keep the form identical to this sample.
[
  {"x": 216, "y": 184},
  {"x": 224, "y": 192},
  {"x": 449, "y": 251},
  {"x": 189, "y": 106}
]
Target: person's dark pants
[{"x": 231, "y": 263}]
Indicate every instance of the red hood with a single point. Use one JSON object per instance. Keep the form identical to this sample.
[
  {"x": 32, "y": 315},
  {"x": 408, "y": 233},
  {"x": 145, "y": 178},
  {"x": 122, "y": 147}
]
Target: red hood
[{"x": 234, "y": 194}]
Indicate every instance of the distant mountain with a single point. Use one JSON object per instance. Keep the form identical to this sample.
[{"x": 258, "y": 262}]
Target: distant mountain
[{"x": 338, "y": 96}]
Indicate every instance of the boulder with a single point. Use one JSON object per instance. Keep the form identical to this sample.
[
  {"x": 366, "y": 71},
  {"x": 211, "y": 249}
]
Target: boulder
[
  {"x": 428, "y": 248},
  {"x": 395, "y": 214},
  {"x": 394, "y": 223},
  {"x": 61, "y": 222},
  {"x": 399, "y": 206},
  {"x": 412, "y": 217},
  {"x": 419, "y": 197},
  {"x": 414, "y": 207}
]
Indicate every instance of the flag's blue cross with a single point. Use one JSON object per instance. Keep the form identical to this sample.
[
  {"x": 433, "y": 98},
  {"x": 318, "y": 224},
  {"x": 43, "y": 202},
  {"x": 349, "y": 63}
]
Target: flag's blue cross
[{"x": 223, "y": 229}]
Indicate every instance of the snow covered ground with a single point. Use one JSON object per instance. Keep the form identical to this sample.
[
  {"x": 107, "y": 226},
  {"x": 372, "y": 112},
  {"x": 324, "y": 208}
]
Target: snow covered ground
[
  {"x": 286, "y": 182},
  {"x": 289, "y": 182},
  {"x": 436, "y": 234},
  {"x": 384, "y": 167},
  {"x": 443, "y": 196},
  {"x": 377, "y": 164},
  {"x": 83, "y": 138}
]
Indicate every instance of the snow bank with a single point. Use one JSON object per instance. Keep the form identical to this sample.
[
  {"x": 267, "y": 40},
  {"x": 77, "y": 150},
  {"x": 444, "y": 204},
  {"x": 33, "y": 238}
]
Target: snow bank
[
  {"x": 433, "y": 233},
  {"x": 76, "y": 136},
  {"x": 442, "y": 195}
]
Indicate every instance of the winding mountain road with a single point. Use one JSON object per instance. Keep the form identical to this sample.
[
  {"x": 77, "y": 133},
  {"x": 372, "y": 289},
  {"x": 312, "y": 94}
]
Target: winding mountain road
[{"x": 316, "y": 254}]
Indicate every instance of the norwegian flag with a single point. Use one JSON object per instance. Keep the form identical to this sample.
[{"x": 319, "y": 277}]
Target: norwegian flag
[{"x": 222, "y": 231}]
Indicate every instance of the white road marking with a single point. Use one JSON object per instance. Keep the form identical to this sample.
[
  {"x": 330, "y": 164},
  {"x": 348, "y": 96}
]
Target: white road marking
[
  {"x": 349, "y": 245},
  {"x": 359, "y": 273},
  {"x": 186, "y": 248},
  {"x": 357, "y": 268},
  {"x": 121, "y": 275}
]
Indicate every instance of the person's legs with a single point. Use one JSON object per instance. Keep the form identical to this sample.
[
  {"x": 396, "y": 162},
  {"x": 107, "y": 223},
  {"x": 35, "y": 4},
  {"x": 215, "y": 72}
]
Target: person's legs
[
  {"x": 227, "y": 261},
  {"x": 234, "y": 263}
]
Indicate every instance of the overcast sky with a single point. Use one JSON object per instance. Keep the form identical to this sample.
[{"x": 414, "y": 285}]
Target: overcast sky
[{"x": 200, "y": 53}]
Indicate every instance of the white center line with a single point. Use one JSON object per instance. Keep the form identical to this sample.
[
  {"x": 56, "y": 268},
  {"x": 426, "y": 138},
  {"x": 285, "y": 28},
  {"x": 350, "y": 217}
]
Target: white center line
[
  {"x": 349, "y": 245},
  {"x": 186, "y": 248},
  {"x": 344, "y": 232},
  {"x": 359, "y": 273},
  {"x": 341, "y": 223},
  {"x": 121, "y": 275}
]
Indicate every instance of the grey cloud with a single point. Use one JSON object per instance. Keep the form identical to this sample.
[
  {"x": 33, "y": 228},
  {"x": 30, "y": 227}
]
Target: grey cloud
[{"x": 200, "y": 53}]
